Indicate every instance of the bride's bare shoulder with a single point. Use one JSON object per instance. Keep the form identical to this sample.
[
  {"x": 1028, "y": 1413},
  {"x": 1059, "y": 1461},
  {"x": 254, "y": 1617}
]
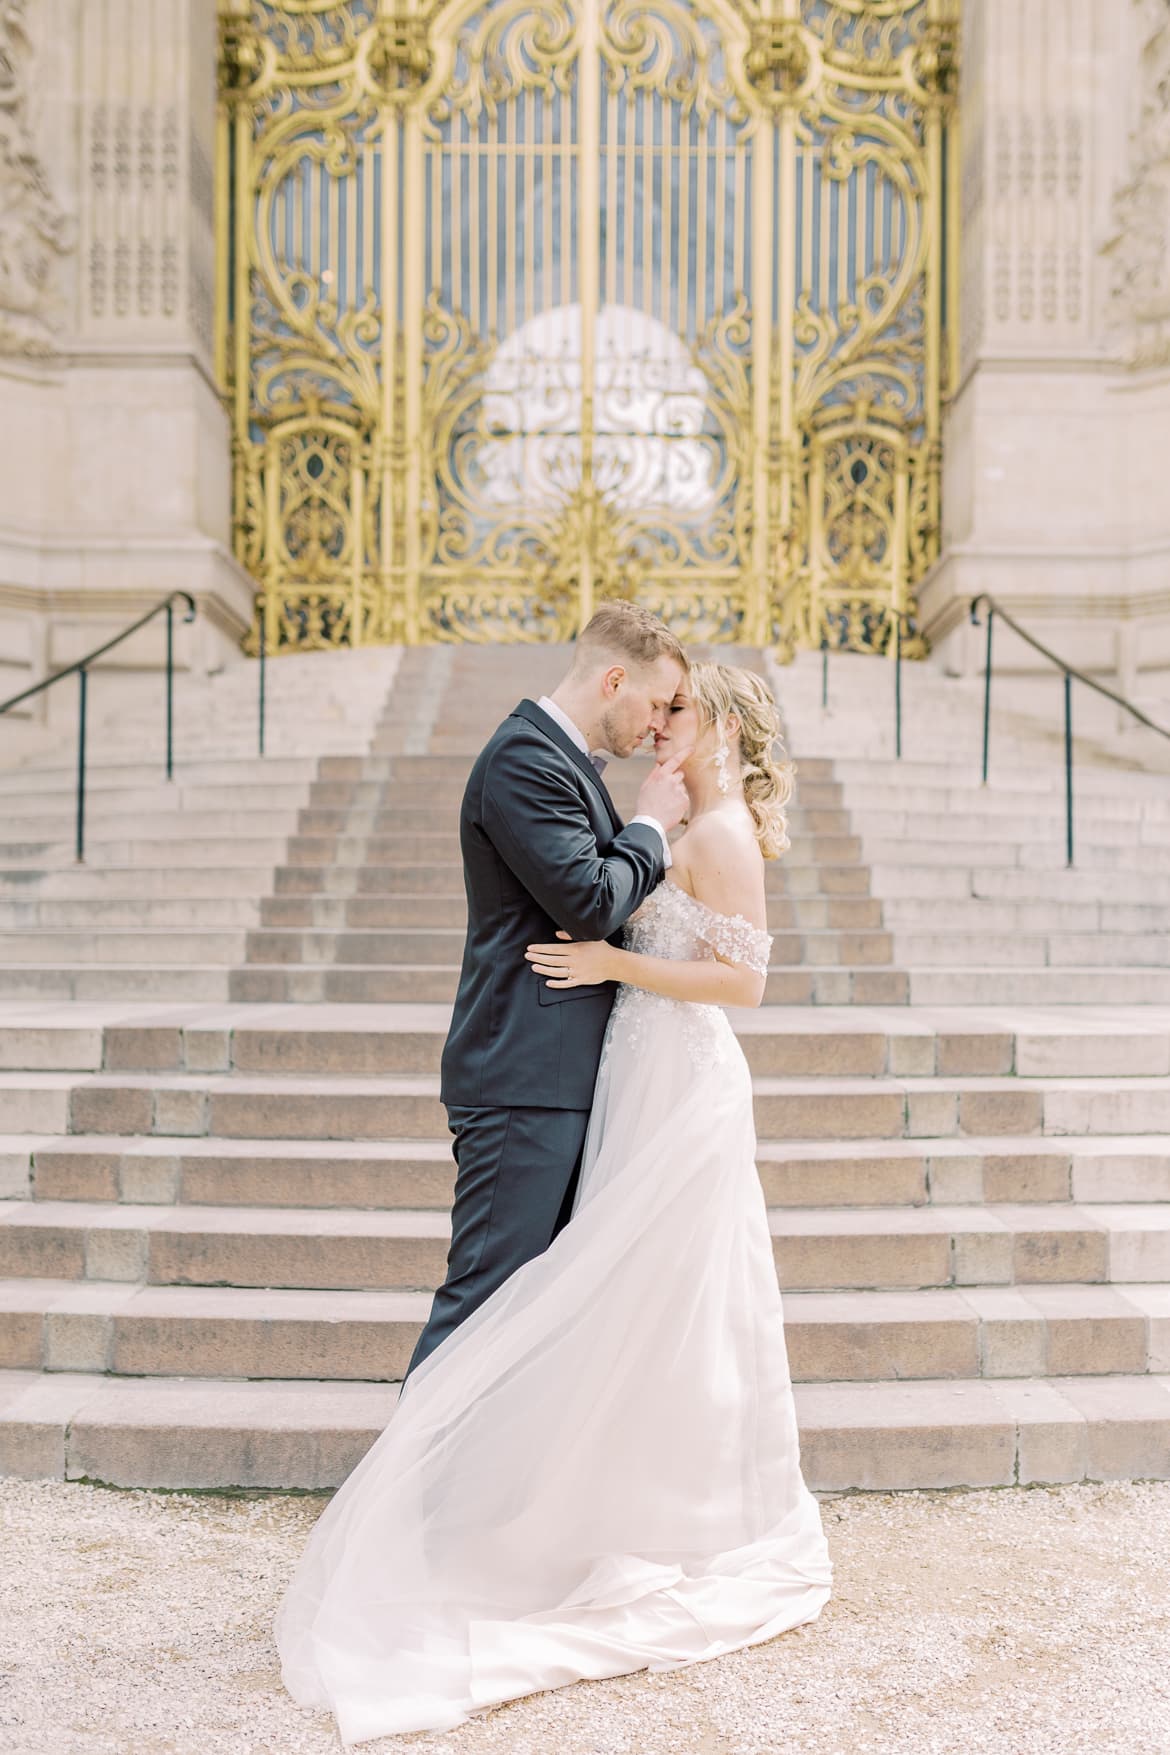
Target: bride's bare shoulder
[
  {"x": 719, "y": 860},
  {"x": 717, "y": 837}
]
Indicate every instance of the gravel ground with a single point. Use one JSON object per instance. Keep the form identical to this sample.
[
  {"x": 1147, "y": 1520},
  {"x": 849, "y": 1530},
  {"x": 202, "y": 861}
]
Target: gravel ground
[{"x": 1013, "y": 1621}]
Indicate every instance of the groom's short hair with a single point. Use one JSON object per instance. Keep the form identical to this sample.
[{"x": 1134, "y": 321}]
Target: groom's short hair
[{"x": 626, "y": 630}]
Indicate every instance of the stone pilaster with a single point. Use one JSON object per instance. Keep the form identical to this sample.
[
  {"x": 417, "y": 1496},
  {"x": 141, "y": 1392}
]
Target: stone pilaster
[
  {"x": 1060, "y": 409},
  {"x": 114, "y": 456}
]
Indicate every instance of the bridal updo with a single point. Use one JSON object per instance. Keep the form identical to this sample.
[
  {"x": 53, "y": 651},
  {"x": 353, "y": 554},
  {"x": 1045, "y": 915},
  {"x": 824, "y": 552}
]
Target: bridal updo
[{"x": 722, "y": 689}]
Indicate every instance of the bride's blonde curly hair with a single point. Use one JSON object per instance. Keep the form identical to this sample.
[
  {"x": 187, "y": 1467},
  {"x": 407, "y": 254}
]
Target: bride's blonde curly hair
[{"x": 721, "y": 689}]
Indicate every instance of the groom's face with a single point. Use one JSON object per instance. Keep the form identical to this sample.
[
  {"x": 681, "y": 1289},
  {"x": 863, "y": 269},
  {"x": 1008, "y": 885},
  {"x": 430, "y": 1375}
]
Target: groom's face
[{"x": 638, "y": 701}]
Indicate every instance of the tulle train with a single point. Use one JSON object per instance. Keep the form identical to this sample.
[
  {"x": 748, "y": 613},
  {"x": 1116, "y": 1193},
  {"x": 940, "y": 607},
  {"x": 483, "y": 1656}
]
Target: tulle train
[{"x": 599, "y": 1472}]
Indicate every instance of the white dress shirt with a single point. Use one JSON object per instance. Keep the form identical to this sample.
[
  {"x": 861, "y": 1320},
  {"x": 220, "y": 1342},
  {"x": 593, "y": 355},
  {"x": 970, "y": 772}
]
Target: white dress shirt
[{"x": 599, "y": 758}]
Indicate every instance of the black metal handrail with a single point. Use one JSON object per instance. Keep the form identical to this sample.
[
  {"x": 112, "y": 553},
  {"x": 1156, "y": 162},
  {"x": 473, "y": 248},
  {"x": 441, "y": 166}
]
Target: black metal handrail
[
  {"x": 900, "y": 618},
  {"x": 1071, "y": 674},
  {"x": 262, "y": 632},
  {"x": 80, "y": 669}
]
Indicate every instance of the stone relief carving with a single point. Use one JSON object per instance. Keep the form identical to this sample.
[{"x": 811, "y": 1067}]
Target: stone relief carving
[
  {"x": 35, "y": 233},
  {"x": 1138, "y": 251}
]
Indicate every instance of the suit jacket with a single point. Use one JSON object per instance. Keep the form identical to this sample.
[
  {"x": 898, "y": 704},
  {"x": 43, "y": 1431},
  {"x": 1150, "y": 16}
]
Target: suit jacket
[{"x": 543, "y": 848}]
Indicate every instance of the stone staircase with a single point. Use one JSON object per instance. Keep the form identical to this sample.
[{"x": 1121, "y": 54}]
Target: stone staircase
[
  {"x": 224, "y": 1162},
  {"x": 175, "y": 873}
]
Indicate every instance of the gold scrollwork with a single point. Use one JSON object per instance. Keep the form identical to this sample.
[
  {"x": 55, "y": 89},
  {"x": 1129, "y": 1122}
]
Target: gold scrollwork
[{"x": 526, "y": 303}]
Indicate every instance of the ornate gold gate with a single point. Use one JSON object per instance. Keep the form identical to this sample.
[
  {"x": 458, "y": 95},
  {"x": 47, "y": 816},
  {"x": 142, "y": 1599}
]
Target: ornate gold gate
[{"x": 524, "y": 303}]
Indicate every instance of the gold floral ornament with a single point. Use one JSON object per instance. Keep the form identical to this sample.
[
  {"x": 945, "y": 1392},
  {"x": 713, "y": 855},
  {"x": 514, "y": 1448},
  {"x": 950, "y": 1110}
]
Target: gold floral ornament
[
  {"x": 398, "y": 57},
  {"x": 935, "y": 60},
  {"x": 780, "y": 61},
  {"x": 247, "y": 61}
]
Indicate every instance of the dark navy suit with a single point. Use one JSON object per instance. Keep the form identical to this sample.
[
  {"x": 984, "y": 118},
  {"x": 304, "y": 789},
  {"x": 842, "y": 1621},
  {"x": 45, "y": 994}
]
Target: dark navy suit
[{"x": 543, "y": 848}]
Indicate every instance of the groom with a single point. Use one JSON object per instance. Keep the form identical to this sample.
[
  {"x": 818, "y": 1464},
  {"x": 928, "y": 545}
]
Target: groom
[{"x": 544, "y": 849}]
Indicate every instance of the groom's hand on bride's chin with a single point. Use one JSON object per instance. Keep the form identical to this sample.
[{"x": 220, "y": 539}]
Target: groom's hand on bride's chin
[{"x": 663, "y": 793}]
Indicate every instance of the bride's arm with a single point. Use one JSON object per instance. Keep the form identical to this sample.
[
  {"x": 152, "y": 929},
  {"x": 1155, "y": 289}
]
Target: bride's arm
[
  {"x": 729, "y": 879},
  {"x": 717, "y": 983}
]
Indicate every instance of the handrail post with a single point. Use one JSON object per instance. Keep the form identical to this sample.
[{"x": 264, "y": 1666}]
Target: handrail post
[
  {"x": 170, "y": 692},
  {"x": 898, "y": 686},
  {"x": 83, "y": 682},
  {"x": 824, "y": 675},
  {"x": 987, "y": 695},
  {"x": 1068, "y": 769},
  {"x": 262, "y": 618}
]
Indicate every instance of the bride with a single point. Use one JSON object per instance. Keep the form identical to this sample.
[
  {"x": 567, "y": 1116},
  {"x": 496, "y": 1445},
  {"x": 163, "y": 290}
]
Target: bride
[{"x": 599, "y": 1471}]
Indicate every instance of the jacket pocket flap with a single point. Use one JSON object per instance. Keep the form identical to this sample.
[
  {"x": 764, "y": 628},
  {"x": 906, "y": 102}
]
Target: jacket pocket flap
[{"x": 553, "y": 995}]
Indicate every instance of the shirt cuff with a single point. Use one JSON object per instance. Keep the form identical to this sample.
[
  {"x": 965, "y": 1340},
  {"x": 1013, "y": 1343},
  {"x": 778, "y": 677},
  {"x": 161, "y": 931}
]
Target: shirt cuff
[{"x": 653, "y": 823}]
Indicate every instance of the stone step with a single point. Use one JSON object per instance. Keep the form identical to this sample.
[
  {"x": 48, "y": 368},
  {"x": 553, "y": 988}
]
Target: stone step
[
  {"x": 41, "y": 945},
  {"x": 396, "y": 793},
  {"x": 333, "y": 913},
  {"x": 144, "y": 913},
  {"x": 34, "y": 857},
  {"x": 129, "y": 1330},
  {"x": 359, "y": 1041},
  {"x": 406, "y": 1106},
  {"x": 412, "y": 1043},
  {"x": 387, "y": 1174},
  {"x": 310, "y": 984},
  {"x": 970, "y": 913},
  {"x": 445, "y": 877},
  {"x": 1047, "y": 858},
  {"x": 177, "y": 798},
  {"x": 421, "y": 817},
  {"x": 973, "y": 811},
  {"x": 178, "y": 826},
  {"x": 1063, "y": 950},
  {"x": 131, "y": 778},
  {"x": 816, "y": 1248},
  {"x": 237, "y": 787},
  {"x": 1040, "y": 839},
  {"x": 161, "y": 882},
  {"x": 1038, "y": 986},
  {"x": 433, "y": 983},
  {"x": 304, "y": 1435},
  {"x": 961, "y": 773},
  {"x": 907, "y": 878},
  {"x": 415, "y": 848},
  {"x": 341, "y": 852},
  {"x": 103, "y": 982},
  {"x": 420, "y": 945}
]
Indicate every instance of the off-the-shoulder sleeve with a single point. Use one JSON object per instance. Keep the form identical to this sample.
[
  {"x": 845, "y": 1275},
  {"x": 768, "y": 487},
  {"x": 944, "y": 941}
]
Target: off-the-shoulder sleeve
[{"x": 738, "y": 940}]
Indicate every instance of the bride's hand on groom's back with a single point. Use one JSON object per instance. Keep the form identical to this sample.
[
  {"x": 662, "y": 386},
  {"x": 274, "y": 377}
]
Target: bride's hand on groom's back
[{"x": 572, "y": 963}]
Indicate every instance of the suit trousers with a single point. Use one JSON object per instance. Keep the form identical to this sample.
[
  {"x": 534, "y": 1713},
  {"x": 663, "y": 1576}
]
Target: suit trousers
[{"x": 516, "y": 1178}]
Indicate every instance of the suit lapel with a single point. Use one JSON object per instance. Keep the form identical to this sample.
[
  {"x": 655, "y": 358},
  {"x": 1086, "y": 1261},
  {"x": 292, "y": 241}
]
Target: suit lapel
[{"x": 536, "y": 716}]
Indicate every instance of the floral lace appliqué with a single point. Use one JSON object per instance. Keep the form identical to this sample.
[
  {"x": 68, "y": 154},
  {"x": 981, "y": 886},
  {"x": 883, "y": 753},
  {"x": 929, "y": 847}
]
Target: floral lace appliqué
[{"x": 672, "y": 923}]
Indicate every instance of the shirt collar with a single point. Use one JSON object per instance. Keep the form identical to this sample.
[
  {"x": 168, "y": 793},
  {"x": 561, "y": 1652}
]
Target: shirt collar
[{"x": 570, "y": 728}]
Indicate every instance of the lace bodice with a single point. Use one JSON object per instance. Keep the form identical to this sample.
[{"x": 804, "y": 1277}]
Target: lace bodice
[{"x": 672, "y": 923}]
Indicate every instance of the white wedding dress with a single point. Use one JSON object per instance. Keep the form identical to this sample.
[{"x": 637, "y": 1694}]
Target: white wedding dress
[{"x": 599, "y": 1471}]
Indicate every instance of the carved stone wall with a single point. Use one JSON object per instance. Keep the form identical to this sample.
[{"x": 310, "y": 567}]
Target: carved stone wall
[
  {"x": 1138, "y": 247},
  {"x": 147, "y": 237},
  {"x": 1055, "y": 438},
  {"x": 115, "y": 446},
  {"x": 36, "y": 233},
  {"x": 1030, "y": 73}
]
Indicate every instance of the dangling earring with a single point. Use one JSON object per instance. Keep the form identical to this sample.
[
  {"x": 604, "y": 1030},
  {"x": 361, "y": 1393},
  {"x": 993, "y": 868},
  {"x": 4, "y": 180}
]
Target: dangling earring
[{"x": 720, "y": 760}]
